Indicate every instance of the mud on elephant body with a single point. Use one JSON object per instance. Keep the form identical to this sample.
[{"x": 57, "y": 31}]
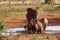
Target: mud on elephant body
[
  {"x": 44, "y": 22},
  {"x": 31, "y": 14},
  {"x": 35, "y": 27},
  {"x": 38, "y": 26}
]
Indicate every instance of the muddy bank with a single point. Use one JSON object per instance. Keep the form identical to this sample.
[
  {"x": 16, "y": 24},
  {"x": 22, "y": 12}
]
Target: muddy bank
[
  {"x": 20, "y": 21},
  {"x": 33, "y": 36}
]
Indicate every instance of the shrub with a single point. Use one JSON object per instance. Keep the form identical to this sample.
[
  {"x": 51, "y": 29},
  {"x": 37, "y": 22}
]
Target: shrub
[{"x": 2, "y": 26}]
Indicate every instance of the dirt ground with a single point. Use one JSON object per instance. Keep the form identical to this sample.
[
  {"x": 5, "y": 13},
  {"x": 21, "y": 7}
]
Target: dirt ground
[
  {"x": 20, "y": 21},
  {"x": 33, "y": 37}
]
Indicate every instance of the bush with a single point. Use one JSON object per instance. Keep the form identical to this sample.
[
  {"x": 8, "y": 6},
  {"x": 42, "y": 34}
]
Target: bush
[{"x": 2, "y": 26}]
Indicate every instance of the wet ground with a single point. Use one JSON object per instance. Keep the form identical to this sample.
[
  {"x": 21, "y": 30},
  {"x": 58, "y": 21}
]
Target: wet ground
[
  {"x": 52, "y": 32},
  {"x": 16, "y": 31},
  {"x": 20, "y": 21}
]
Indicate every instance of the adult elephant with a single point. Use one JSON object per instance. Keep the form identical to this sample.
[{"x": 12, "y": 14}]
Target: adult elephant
[{"x": 31, "y": 14}]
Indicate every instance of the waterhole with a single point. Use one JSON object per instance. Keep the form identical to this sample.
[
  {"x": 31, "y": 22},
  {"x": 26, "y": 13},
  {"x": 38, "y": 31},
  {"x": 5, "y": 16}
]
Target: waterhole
[{"x": 16, "y": 31}]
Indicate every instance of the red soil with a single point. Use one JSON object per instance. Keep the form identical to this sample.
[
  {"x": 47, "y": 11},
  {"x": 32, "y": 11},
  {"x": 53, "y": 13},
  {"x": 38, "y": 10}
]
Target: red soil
[
  {"x": 20, "y": 21},
  {"x": 34, "y": 36}
]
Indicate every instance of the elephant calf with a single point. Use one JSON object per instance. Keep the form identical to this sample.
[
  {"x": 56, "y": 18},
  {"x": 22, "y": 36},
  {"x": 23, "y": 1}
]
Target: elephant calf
[
  {"x": 44, "y": 22},
  {"x": 35, "y": 26},
  {"x": 39, "y": 26}
]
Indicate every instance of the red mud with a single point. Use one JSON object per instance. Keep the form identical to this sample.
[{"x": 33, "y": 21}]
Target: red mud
[{"x": 20, "y": 21}]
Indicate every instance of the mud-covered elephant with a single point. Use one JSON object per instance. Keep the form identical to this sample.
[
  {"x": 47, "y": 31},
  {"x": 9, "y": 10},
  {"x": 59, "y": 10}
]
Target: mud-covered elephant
[
  {"x": 44, "y": 22},
  {"x": 38, "y": 26},
  {"x": 35, "y": 27},
  {"x": 31, "y": 14}
]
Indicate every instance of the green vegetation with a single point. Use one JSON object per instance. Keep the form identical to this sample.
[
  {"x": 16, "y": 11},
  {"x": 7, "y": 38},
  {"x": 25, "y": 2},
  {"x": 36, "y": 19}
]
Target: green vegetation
[
  {"x": 40, "y": 38},
  {"x": 37, "y": 38},
  {"x": 20, "y": 10},
  {"x": 2, "y": 29},
  {"x": 49, "y": 1},
  {"x": 2, "y": 26}
]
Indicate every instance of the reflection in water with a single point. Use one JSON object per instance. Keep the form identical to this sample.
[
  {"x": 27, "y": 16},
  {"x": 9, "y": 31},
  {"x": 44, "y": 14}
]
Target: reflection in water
[
  {"x": 14, "y": 30},
  {"x": 53, "y": 28}
]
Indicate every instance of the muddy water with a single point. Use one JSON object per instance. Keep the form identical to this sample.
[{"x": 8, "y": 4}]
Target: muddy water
[
  {"x": 52, "y": 30},
  {"x": 15, "y": 31}
]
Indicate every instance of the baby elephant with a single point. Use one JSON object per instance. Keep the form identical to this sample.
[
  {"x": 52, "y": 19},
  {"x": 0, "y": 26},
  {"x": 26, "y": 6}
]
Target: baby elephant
[
  {"x": 39, "y": 27},
  {"x": 44, "y": 22},
  {"x": 36, "y": 26}
]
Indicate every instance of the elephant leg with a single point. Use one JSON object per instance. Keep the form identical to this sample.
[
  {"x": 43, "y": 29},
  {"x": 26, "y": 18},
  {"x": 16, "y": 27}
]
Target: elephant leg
[
  {"x": 36, "y": 28},
  {"x": 29, "y": 30},
  {"x": 26, "y": 26},
  {"x": 44, "y": 26},
  {"x": 45, "y": 23},
  {"x": 40, "y": 30}
]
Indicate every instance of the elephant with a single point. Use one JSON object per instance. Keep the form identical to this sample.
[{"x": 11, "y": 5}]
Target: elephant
[
  {"x": 31, "y": 27},
  {"x": 44, "y": 22},
  {"x": 35, "y": 27},
  {"x": 31, "y": 14},
  {"x": 38, "y": 26},
  {"x": 39, "y": 12}
]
